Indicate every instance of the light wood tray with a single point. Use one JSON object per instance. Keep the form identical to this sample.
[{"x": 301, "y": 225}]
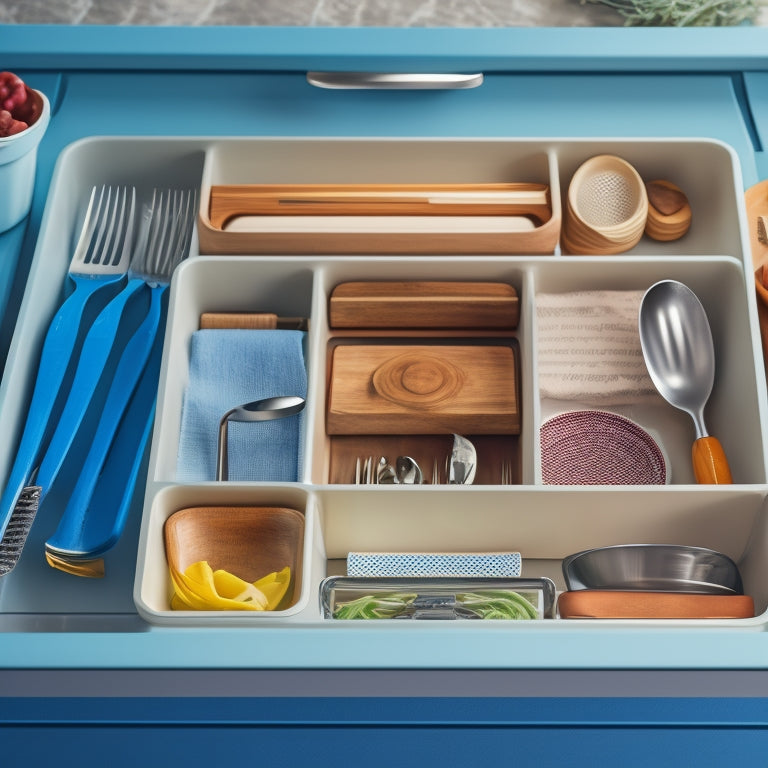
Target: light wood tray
[{"x": 229, "y": 225}]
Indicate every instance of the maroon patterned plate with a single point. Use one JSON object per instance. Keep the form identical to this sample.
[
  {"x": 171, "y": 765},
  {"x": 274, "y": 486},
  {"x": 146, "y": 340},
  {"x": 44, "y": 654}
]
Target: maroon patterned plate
[{"x": 599, "y": 448}]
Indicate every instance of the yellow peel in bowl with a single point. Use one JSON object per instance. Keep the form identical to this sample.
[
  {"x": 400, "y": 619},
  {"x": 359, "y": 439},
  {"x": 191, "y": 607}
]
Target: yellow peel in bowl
[
  {"x": 274, "y": 586},
  {"x": 186, "y": 595},
  {"x": 199, "y": 578},
  {"x": 202, "y": 589},
  {"x": 234, "y": 588},
  {"x": 177, "y": 604}
]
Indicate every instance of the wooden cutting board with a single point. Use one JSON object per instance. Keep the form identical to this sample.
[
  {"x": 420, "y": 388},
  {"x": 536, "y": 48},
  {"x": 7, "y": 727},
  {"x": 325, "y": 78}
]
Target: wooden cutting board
[{"x": 422, "y": 389}]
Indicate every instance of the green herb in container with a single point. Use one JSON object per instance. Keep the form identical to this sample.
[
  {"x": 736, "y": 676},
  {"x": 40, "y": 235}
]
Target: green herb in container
[{"x": 486, "y": 604}]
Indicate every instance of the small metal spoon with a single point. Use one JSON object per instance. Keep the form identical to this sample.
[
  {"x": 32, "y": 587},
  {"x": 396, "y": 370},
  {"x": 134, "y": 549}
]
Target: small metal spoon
[
  {"x": 386, "y": 473},
  {"x": 408, "y": 472},
  {"x": 679, "y": 353},
  {"x": 259, "y": 410}
]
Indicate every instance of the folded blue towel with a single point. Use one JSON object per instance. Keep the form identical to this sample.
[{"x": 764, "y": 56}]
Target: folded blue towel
[{"x": 230, "y": 367}]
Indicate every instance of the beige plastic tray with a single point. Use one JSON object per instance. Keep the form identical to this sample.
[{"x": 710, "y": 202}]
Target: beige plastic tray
[{"x": 544, "y": 523}]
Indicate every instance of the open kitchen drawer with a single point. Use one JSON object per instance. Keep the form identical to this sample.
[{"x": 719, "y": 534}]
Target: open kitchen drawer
[
  {"x": 88, "y": 635},
  {"x": 543, "y": 522}
]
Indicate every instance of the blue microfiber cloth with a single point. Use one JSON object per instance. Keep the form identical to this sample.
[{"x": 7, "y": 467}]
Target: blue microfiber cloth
[{"x": 230, "y": 367}]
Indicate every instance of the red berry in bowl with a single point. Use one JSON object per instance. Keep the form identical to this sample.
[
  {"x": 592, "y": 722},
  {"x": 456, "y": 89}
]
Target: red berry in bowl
[
  {"x": 9, "y": 125},
  {"x": 29, "y": 110},
  {"x": 13, "y": 92}
]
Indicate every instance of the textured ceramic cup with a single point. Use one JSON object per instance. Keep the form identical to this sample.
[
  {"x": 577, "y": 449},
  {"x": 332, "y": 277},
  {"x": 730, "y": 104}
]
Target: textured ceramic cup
[
  {"x": 606, "y": 209},
  {"x": 18, "y": 161}
]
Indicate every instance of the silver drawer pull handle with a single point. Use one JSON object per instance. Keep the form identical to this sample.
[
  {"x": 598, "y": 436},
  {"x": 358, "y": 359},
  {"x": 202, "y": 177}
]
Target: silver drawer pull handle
[{"x": 393, "y": 80}]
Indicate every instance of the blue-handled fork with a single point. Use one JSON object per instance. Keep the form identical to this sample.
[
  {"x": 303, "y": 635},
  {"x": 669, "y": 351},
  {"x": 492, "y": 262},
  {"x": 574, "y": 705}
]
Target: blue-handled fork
[
  {"x": 101, "y": 258},
  {"x": 86, "y": 530}
]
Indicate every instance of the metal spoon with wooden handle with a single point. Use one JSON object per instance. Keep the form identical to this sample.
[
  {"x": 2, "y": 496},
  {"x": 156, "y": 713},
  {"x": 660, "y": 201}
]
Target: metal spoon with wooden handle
[{"x": 679, "y": 353}]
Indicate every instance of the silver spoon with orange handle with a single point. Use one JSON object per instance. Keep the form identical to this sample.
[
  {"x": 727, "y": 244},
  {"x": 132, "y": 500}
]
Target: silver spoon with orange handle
[{"x": 679, "y": 353}]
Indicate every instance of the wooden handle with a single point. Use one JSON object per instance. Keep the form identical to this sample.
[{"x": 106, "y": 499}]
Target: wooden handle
[
  {"x": 252, "y": 321},
  {"x": 709, "y": 462},
  {"x": 233, "y": 200}
]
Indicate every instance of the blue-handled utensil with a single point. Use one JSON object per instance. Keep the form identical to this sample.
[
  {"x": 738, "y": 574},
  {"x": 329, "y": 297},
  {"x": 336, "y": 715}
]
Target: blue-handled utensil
[
  {"x": 98, "y": 510},
  {"x": 162, "y": 243},
  {"x": 167, "y": 244},
  {"x": 101, "y": 258}
]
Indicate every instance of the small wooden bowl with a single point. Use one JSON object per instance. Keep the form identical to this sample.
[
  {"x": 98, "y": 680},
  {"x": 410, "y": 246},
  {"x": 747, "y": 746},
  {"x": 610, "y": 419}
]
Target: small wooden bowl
[
  {"x": 669, "y": 212},
  {"x": 249, "y": 542}
]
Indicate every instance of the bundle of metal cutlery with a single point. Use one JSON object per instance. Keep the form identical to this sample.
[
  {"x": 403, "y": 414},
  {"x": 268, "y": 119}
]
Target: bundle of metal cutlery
[
  {"x": 460, "y": 468},
  {"x": 100, "y": 360}
]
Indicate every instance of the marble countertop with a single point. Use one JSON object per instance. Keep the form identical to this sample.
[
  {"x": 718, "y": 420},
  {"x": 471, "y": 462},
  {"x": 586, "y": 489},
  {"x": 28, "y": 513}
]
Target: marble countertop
[
  {"x": 317, "y": 13},
  {"x": 321, "y": 13}
]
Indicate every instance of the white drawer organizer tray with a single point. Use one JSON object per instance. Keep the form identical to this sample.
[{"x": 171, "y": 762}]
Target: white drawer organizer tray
[{"x": 544, "y": 523}]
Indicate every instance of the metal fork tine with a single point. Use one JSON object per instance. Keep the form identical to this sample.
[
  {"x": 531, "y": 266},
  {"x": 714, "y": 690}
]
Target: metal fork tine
[
  {"x": 177, "y": 235},
  {"x": 123, "y": 230},
  {"x": 113, "y": 206},
  {"x": 183, "y": 233},
  {"x": 158, "y": 225},
  {"x": 111, "y": 239},
  {"x": 110, "y": 233},
  {"x": 189, "y": 218},
  {"x": 92, "y": 237},
  {"x": 173, "y": 220},
  {"x": 90, "y": 221},
  {"x": 144, "y": 254}
]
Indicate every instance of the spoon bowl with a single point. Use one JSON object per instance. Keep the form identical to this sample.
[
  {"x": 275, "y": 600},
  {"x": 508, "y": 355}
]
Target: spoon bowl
[
  {"x": 462, "y": 463},
  {"x": 407, "y": 471},
  {"x": 679, "y": 353},
  {"x": 259, "y": 410}
]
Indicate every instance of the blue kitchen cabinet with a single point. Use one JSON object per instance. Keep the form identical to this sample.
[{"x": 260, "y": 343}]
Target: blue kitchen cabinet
[{"x": 546, "y": 695}]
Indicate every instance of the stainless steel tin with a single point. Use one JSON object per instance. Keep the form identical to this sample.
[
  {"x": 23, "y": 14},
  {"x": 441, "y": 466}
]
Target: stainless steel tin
[{"x": 653, "y": 568}]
